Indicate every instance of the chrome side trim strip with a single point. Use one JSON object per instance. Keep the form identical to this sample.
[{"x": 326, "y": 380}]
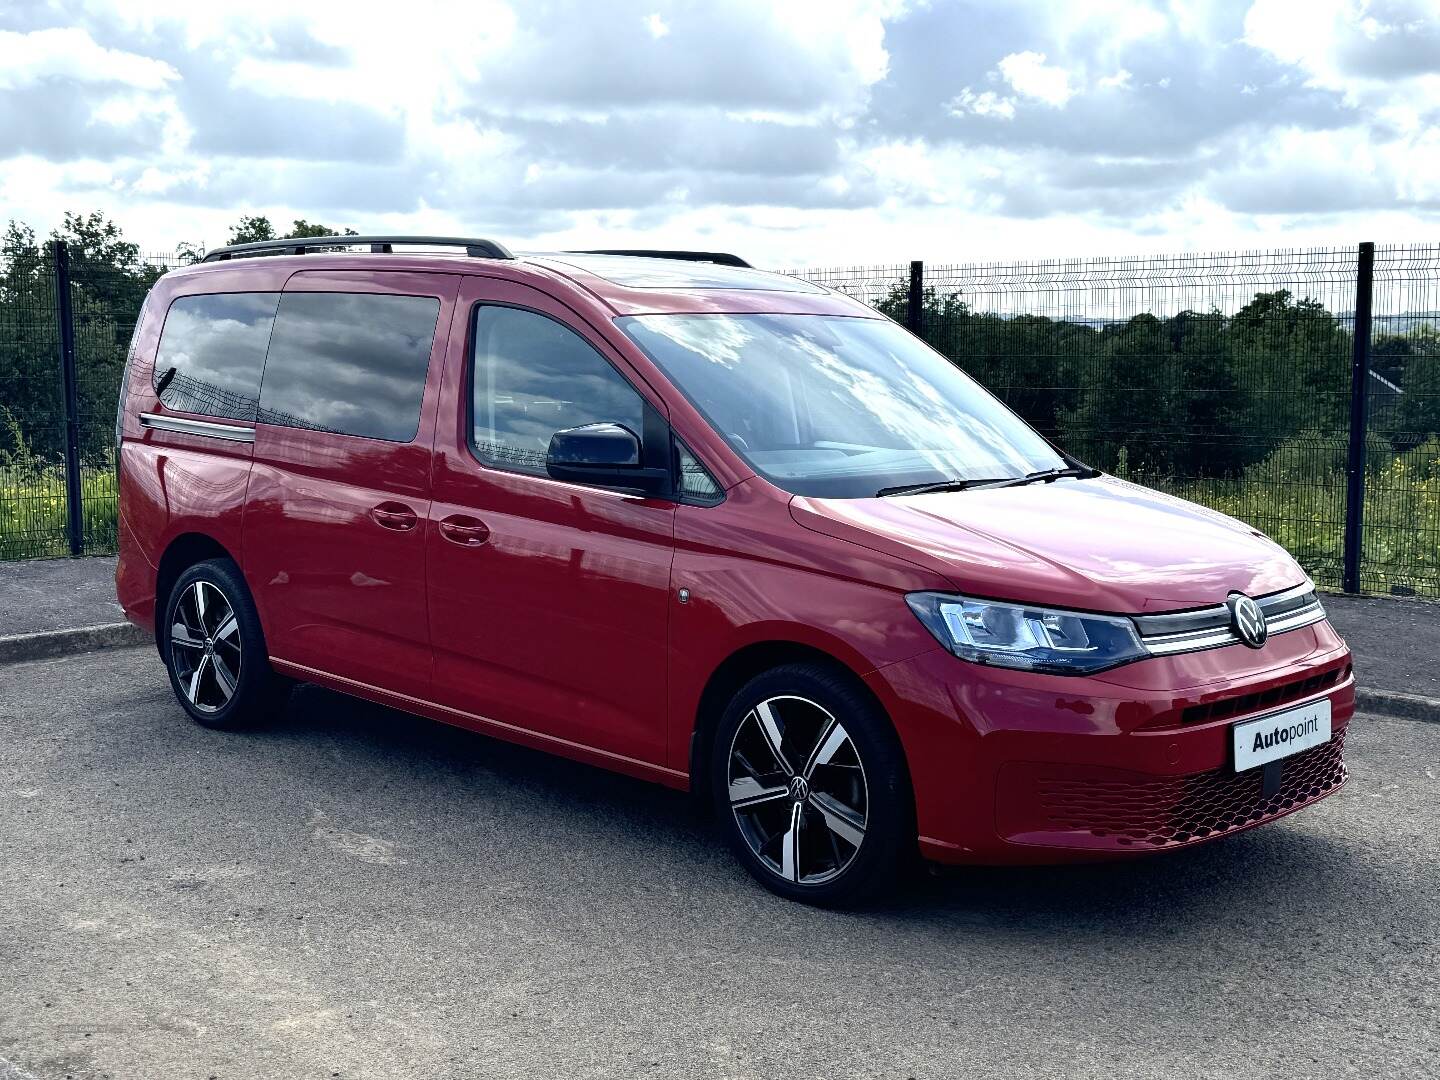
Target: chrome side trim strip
[{"x": 232, "y": 432}]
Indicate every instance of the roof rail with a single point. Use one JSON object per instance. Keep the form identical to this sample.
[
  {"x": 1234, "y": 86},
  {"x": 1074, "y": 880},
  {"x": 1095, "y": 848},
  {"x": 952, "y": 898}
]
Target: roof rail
[
  {"x": 720, "y": 258},
  {"x": 475, "y": 248}
]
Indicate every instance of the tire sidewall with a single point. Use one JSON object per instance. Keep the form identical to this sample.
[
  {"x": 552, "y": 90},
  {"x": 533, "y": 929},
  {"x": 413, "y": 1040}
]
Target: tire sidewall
[
  {"x": 243, "y": 706},
  {"x": 889, "y": 832}
]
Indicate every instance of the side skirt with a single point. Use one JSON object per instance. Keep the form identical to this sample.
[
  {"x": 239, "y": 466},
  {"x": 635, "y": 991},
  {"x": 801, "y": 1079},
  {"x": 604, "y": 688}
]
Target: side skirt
[{"x": 641, "y": 770}]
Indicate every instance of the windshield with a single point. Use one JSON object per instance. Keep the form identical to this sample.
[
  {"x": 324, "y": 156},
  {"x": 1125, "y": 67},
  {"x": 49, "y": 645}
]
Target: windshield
[{"x": 839, "y": 407}]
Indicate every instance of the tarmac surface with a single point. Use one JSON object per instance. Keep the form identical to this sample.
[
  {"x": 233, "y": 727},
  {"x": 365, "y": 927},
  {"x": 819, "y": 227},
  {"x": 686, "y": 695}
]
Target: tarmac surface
[{"x": 353, "y": 892}]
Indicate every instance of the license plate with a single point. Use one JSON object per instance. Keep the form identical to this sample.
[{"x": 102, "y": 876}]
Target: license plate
[{"x": 1281, "y": 734}]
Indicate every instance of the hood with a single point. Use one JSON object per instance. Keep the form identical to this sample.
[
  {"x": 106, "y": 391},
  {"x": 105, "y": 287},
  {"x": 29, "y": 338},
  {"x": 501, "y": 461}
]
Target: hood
[{"x": 1098, "y": 545}]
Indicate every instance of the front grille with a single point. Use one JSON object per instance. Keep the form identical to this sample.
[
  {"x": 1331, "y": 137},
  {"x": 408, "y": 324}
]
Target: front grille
[
  {"x": 1276, "y": 695},
  {"x": 1210, "y": 628},
  {"x": 1129, "y": 810}
]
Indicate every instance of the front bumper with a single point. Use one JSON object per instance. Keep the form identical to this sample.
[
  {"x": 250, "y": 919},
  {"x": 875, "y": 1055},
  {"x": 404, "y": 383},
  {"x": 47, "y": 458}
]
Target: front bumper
[{"x": 1014, "y": 767}]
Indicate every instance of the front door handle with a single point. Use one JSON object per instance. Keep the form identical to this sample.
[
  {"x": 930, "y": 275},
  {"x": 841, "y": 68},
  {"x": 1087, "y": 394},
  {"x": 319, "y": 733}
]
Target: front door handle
[
  {"x": 463, "y": 530},
  {"x": 395, "y": 516}
]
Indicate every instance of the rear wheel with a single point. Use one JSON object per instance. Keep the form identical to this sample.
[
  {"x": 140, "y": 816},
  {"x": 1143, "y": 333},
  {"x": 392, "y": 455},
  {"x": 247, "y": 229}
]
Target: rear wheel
[
  {"x": 214, "y": 649},
  {"x": 810, "y": 787}
]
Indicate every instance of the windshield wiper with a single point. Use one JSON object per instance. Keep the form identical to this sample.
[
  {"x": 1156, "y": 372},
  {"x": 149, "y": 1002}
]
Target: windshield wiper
[
  {"x": 943, "y": 485},
  {"x": 1044, "y": 476}
]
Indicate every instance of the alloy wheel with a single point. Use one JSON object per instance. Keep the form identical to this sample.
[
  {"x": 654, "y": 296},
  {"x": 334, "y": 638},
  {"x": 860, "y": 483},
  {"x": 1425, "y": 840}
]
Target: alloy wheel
[
  {"x": 797, "y": 789},
  {"x": 205, "y": 647}
]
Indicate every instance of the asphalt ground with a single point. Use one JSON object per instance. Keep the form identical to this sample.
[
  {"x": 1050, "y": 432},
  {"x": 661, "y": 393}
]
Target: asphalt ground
[{"x": 353, "y": 892}]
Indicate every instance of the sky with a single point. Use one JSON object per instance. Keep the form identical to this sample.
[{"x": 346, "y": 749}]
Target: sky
[{"x": 797, "y": 133}]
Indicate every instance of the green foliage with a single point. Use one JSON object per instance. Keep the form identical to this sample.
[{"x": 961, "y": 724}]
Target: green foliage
[
  {"x": 109, "y": 281},
  {"x": 33, "y": 517},
  {"x": 1196, "y": 394},
  {"x": 252, "y": 228},
  {"x": 1297, "y": 497},
  {"x": 1417, "y": 416}
]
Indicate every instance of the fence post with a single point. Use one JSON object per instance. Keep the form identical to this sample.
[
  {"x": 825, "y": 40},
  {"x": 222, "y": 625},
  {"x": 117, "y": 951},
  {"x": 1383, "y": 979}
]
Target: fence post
[
  {"x": 1359, "y": 420},
  {"x": 65, "y": 319},
  {"x": 915, "y": 299}
]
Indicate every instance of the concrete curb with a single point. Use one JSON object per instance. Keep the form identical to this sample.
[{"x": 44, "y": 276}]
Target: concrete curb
[
  {"x": 18, "y": 648},
  {"x": 1393, "y": 703}
]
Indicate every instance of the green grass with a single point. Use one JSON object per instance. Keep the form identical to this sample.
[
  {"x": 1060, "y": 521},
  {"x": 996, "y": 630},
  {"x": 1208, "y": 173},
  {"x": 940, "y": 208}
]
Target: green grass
[
  {"x": 33, "y": 519},
  {"x": 1305, "y": 513}
]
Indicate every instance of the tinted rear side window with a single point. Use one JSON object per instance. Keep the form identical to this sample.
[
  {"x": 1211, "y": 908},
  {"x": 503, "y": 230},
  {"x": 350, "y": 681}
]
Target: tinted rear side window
[
  {"x": 216, "y": 346},
  {"x": 349, "y": 363}
]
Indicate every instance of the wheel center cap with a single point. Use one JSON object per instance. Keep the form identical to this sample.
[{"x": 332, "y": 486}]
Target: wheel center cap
[{"x": 799, "y": 788}]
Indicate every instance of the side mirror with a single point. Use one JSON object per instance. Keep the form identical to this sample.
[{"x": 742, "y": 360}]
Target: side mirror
[
  {"x": 611, "y": 445},
  {"x": 604, "y": 454}
]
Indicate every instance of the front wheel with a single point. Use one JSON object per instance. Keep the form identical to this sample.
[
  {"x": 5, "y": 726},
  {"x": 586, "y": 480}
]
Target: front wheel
[
  {"x": 214, "y": 649},
  {"x": 811, "y": 788}
]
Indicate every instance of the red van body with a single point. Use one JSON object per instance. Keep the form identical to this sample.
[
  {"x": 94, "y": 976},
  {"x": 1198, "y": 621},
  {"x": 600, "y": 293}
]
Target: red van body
[{"x": 612, "y": 627}]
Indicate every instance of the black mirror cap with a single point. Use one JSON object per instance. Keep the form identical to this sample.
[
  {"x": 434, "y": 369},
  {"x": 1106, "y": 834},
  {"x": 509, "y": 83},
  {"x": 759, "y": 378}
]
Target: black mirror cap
[
  {"x": 606, "y": 455},
  {"x": 610, "y": 445}
]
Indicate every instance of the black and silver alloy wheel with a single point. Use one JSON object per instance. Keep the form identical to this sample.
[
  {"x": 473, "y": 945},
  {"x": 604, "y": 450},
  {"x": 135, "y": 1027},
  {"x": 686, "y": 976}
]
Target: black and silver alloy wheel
[
  {"x": 205, "y": 649},
  {"x": 811, "y": 787},
  {"x": 213, "y": 647},
  {"x": 797, "y": 789}
]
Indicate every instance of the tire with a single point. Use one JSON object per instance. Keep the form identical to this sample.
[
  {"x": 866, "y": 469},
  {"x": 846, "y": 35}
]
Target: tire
[
  {"x": 828, "y": 817},
  {"x": 216, "y": 657}
]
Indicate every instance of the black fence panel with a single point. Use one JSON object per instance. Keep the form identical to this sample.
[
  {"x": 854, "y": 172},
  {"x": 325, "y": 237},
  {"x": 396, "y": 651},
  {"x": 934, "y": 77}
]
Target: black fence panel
[
  {"x": 107, "y": 284},
  {"x": 32, "y": 409},
  {"x": 1400, "y": 544},
  {"x": 1223, "y": 378}
]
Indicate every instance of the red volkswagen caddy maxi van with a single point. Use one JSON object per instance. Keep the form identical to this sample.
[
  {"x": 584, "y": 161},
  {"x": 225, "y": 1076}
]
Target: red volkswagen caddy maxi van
[{"x": 716, "y": 528}]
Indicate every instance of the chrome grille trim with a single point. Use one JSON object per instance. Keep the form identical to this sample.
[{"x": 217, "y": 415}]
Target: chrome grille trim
[{"x": 1209, "y": 628}]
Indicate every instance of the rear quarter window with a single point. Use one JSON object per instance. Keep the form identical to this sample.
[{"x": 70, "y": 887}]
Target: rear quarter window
[
  {"x": 349, "y": 363},
  {"x": 215, "y": 346}
]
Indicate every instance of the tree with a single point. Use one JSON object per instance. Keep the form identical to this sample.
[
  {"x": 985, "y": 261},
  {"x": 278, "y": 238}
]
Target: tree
[
  {"x": 1026, "y": 360},
  {"x": 109, "y": 281},
  {"x": 1130, "y": 402},
  {"x": 1292, "y": 359},
  {"x": 252, "y": 228},
  {"x": 1418, "y": 414}
]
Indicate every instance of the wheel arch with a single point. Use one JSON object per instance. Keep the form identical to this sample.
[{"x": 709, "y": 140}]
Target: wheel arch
[
  {"x": 183, "y": 552},
  {"x": 738, "y": 668}
]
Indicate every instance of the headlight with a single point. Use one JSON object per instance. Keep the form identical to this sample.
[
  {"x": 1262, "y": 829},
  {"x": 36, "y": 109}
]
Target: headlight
[{"x": 1026, "y": 637}]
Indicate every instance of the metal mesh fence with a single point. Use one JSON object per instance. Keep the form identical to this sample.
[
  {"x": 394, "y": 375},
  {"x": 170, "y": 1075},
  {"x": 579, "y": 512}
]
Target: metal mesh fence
[
  {"x": 1401, "y": 536},
  {"x": 1222, "y": 378},
  {"x": 32, "y": 415},
  {"x": 107, "y": 285}
]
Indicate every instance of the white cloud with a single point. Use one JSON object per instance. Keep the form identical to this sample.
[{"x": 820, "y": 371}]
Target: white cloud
[
  {"x": 1029, "y": 75},
  {"x": 987, "y": 103},
  {"x": 810, "y": 131},
  {"x": 71, "y": 53}
]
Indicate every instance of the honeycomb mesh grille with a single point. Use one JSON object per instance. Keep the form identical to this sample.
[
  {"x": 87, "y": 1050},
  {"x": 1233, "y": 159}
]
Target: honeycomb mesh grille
[{"x": 1166, "y": 811}]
